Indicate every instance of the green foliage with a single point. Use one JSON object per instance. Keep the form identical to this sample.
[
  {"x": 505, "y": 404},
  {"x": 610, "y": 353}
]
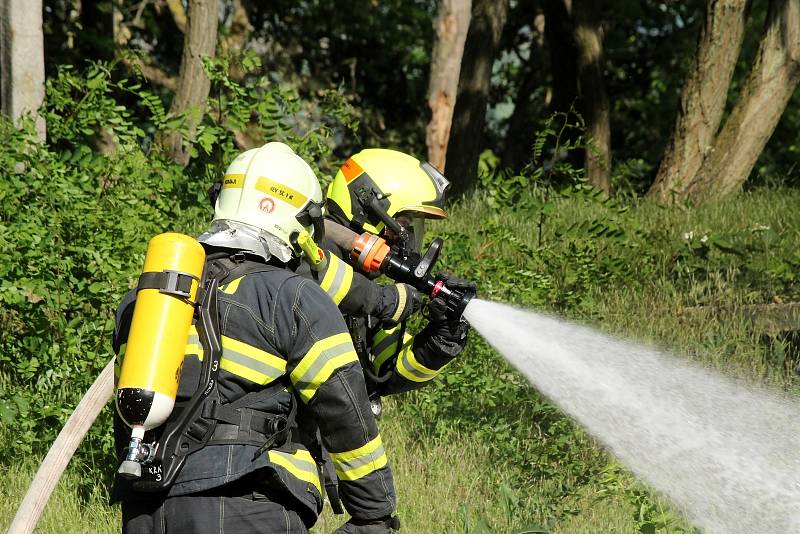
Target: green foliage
[
  {"x": 75, "y": 221},
  {"x": 650, "y": 515},
  {"x": 265, "y": 111},
  {"x": 77, "y": 212},
  {"x": 631, "y": 267},
  {"x": 558, "y": 275},
  {"x": 73, "y": 230}
]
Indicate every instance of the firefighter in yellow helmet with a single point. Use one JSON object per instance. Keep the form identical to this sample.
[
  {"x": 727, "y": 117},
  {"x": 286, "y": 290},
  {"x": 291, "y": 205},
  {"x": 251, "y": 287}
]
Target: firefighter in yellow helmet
[
  {"x": 286, "y": 360},
  {"x": 378, "y": 190},
  {"x": 389, "y": 193}
]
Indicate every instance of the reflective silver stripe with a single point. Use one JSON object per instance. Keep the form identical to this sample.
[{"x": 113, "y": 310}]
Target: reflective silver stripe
[
  {"x": 385, "y": 343},
  {"x": 338, "y": 277},
  {"x": 307, "y": 379},
  {"x": 355, "y": 463},
  {"x": 299, "y": 464},
  {"x": 423, "y": 377},
  {"x": 251, "y": 363}
]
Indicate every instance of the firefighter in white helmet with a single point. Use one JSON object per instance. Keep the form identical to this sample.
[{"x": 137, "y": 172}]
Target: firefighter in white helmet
[{"x": 287, "y": 359}]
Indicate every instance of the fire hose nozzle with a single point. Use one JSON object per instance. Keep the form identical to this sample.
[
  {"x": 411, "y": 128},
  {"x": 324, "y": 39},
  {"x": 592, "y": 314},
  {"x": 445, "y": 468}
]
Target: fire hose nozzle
[{"x": 373, "y": 255}]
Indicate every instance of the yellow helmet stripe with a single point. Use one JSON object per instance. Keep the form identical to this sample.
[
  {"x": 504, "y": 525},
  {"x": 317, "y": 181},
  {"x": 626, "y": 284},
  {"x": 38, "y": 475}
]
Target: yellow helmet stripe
[
  {"x": 233, "y": 181},
  {"x": 281, "y": 192}
]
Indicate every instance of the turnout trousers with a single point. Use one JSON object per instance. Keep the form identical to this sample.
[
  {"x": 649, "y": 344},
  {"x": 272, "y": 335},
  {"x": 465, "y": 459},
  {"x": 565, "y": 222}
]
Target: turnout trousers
[{"x": 225, "y": 510}]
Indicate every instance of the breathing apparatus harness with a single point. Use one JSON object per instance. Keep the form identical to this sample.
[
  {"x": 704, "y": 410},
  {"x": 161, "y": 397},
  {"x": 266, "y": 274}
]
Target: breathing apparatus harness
[{"x": 203, "y": 419}]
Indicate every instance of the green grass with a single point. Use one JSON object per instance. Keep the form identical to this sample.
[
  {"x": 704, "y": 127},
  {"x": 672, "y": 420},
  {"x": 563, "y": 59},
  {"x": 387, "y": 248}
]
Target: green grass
[
  {"x": 479, "y": 449},
  {"x": 75, "y": 506}
]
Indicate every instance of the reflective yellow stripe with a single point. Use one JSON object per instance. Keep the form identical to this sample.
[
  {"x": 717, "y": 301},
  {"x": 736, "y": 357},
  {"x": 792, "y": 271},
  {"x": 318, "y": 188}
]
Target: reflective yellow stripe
[
  {"x": 410, "y": 368},
  {"x": 355, "y": 464},
  {"x": 194, "y": 348},
  {"x": 244, "y": 372},
  {"x": 402, "y": 296},
  {"x": 231, "y": 287},
  {"x": 193, "y": 344},
  {"x": 319, "y": 363},
  {"x": 330, "y": 274},
  {"x": 347, "y": 281},
  {"x": 338, "y": 279},
  {"x": 300, "y": 464},
  {"x": 252, "y": 352},
  {"x": 384, "y": 345},
  {"x": 249, "y": 362}
]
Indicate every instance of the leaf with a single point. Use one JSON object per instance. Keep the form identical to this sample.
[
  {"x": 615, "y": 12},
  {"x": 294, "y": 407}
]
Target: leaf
[
  {"x": 8, "y": 412},
  {"x": 725, "y": 246},
  {"x": 482, "y": 527},
  {"x": 96, "y": 82},
  {"x": 97, "y": 287}
]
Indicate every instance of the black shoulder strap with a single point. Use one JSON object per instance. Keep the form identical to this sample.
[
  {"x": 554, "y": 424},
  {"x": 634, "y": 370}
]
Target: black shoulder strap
[{"x": 230, "y": 268}]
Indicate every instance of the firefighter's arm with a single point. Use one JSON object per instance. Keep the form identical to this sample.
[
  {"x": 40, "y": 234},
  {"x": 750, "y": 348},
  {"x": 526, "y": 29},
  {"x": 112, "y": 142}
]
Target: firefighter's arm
[
  {"x": 420, "y": 358},
  {"x": 355, "y": 294},
  {"x": 327, "y": 377}
]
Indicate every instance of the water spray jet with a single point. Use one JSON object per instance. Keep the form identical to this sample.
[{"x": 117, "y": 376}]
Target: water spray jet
[{"x": 724, "y": 451}]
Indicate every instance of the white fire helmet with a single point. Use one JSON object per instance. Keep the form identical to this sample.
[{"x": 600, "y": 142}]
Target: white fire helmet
[{"x": 267, "y": 194}]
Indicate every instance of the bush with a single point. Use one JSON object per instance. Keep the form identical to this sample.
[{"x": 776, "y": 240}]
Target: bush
[{"x": 78, "y": 210}]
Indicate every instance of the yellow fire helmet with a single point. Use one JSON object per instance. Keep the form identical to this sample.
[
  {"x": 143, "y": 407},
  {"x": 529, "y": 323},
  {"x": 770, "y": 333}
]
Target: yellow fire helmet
[
  {"x": 377, "y": 182},
  {"x": 268, "y": 196}
]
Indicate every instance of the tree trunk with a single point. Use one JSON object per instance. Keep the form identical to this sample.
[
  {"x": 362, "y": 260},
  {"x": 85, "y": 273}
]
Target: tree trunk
[
  {"x": 22, "y": 60},
  {"x": 558, "y": 31},
  {"x": 193, "y": 85},
  {"x": 520, "y": 135},
  {"x": 773, "y": 78},
  {"x": 469, "y": 115},
  {"x": 702, "y": 99},
  {"x": 240, "y": 28},
  {"x": 448, "y": 48},
  {"x": 588, "y": 34}
]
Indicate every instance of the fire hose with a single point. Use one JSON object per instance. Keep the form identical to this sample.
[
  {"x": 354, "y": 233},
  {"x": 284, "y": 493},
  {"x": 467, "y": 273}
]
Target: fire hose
[{"x": 49, "y": 473}]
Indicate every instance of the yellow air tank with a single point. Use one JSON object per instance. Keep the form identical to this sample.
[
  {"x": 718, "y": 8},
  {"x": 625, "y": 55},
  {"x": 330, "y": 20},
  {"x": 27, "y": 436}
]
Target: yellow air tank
[{"x": 151, "y": 367}]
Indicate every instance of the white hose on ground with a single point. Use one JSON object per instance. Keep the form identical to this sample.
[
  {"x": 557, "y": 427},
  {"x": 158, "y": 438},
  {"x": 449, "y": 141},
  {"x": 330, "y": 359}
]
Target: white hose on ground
[{"x": 59, "y": 455}]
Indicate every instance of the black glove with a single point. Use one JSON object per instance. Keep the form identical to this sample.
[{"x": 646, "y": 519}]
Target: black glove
[
  {"x": 384, "y": 525},
  {"x": 459, "y": 284},
  {"x": 442, "y": 339}
]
